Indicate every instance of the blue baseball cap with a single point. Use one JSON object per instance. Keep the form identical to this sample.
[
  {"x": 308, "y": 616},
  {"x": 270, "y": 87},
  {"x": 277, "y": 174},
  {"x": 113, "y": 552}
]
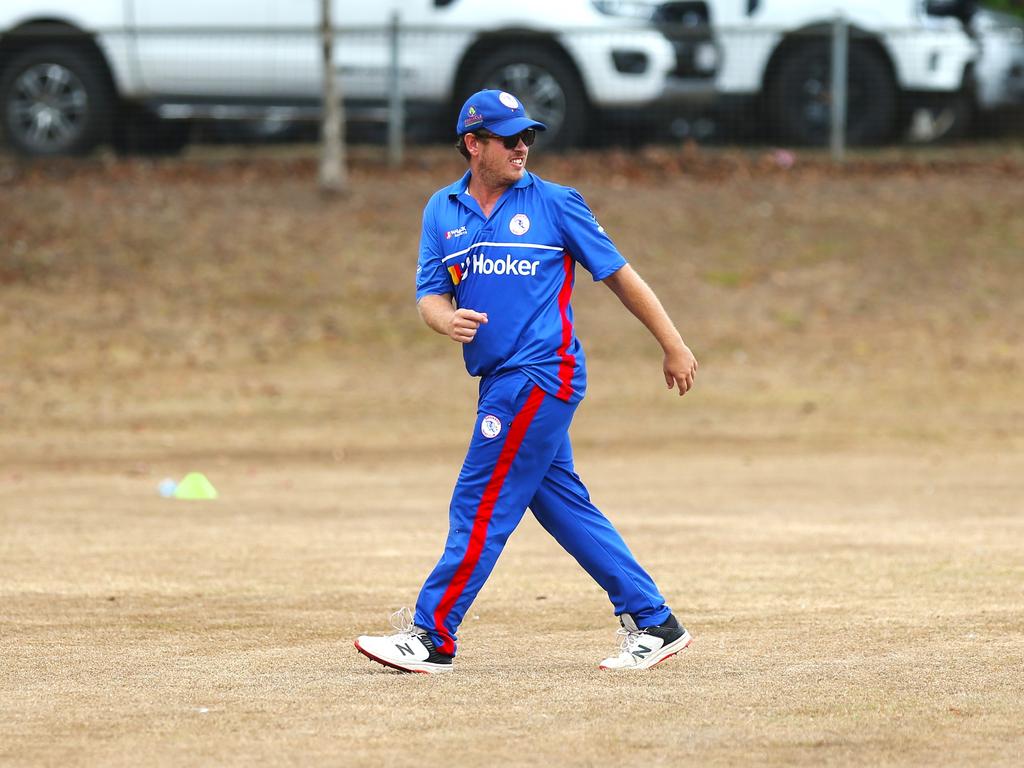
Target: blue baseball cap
[{"x": 499, "y": 112}]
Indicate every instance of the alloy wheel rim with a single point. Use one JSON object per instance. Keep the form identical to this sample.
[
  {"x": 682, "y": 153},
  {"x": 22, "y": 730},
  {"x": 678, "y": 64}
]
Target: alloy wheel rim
[
  {"x": 48, "y": 108},
  {"x": 815, "y": 100}
]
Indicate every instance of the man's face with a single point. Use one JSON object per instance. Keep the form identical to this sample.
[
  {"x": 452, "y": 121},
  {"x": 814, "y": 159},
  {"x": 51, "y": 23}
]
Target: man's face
[{"x": 498, "y": 166}]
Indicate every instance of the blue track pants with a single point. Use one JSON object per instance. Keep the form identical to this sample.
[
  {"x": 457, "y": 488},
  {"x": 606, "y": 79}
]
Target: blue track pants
[{"x": 520, "y": 457}]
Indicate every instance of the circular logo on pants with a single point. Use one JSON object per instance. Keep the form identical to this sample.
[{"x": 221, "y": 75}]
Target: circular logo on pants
[{"x": 490, "y": 426}]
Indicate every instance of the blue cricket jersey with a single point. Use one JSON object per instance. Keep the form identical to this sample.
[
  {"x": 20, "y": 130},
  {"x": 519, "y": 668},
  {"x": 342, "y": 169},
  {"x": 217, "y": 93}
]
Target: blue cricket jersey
[{"x": 518, "y": 266}]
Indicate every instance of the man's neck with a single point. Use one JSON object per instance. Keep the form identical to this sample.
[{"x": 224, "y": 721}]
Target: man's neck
[{"x": 486, "y": 195}]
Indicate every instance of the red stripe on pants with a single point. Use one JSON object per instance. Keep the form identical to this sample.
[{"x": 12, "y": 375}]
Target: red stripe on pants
[{"x": 478, "y": 536}]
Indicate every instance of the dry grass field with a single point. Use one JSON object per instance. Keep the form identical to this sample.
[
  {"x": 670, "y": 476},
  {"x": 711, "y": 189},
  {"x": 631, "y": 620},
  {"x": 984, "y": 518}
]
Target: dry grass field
[{"x": 835, "y": 511}]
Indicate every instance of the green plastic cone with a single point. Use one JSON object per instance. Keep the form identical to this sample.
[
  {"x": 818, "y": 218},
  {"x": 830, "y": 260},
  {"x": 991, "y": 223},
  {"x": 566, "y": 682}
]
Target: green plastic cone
[{"x": 195, "y": 486}]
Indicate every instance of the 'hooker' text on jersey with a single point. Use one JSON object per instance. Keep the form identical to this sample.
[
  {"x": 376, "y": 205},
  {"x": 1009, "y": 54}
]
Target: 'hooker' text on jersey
[{"x": 479, "y": 264}]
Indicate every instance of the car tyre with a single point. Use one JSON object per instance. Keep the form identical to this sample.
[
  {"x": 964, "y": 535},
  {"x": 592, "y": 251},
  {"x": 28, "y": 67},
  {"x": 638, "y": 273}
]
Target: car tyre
[
  {"x": 55, "y": 100},
  {"x": 799, "y": 96},
  {"x": 548, "y": 86},
  {"x": 942, "y": 120},
  {"x": 140, "y": 132}
]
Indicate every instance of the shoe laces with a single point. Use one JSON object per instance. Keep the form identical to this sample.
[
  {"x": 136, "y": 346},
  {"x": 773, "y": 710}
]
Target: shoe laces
[
  {"x": 630, "y": 639},
  {"x": 402, "y": 621}
]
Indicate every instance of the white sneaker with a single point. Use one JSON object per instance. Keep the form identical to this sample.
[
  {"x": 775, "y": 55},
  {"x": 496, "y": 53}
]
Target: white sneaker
[
  {"x": 410, "y": 650},
  {"x": 643, "y": 648}
]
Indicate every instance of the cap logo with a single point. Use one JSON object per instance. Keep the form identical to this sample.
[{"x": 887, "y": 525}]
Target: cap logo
[
  {"x": 472, "y": 118},
  {"x": 508, "y": 100}
]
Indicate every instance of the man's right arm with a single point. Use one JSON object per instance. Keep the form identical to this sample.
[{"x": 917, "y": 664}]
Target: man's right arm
[{"x": 459, "y": 325}]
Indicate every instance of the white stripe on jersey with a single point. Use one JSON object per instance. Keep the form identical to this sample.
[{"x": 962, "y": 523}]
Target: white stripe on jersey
[{"x": 464, "y": 251}]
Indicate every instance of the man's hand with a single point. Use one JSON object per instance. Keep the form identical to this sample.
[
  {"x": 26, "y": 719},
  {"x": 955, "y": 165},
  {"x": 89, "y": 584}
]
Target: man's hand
[
  {"x": 457, "y": 324},
  {"x": 680, "y": 365},
  {"x": 463, "y": 323},
  {"x": 680, "y": 368}
]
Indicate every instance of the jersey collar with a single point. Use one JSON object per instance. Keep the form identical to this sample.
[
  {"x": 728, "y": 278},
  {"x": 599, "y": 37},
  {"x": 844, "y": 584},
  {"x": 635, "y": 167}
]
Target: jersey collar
[{"x": 460, "y": 186}]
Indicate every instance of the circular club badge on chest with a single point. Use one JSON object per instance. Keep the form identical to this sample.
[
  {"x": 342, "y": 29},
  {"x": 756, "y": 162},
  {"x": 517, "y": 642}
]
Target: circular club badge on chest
[
  {"x": 519, "y": 225},
  {"x": 490, "y": 426}
]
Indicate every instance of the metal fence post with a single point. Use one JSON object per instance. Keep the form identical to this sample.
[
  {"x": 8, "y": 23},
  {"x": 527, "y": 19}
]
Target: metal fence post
[
  {"x": 396, "y": 103},
  {"x": 840, "y": 67}
]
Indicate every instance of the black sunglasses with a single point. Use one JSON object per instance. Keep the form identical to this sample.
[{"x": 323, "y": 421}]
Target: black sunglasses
[{"x": 511, "y": 142}]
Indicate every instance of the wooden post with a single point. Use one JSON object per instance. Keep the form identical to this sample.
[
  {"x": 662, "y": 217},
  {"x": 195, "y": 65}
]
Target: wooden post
[
  {"x": 333, "y": 174},
  {"x": 396, "y": 107}
]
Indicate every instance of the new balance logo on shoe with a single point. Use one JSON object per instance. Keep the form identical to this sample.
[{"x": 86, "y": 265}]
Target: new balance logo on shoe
[
  {"x": 641, "y": 651},
  {"x": 410, "y": 650},
  {"x": 643, "y": 648}
]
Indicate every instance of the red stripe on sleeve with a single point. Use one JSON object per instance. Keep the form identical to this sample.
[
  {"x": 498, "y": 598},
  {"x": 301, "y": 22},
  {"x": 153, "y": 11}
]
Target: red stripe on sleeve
[{"x": 567, "y": 368}]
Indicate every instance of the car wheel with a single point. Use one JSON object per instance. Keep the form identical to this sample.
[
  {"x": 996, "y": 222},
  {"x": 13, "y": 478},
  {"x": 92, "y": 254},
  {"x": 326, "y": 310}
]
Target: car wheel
[
  {"x": 946, "y": 119},
  {"x": 800, "y": 96},
  {"x": 549, "y": 88},
  {"x": 55, "y": 101}
]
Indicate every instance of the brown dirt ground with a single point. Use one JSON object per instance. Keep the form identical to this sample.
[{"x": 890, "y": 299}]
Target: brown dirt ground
[{"x": 835, "y": 511}]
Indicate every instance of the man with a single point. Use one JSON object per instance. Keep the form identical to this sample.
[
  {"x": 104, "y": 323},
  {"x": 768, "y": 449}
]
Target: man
[{"x": 504, "y": 244}]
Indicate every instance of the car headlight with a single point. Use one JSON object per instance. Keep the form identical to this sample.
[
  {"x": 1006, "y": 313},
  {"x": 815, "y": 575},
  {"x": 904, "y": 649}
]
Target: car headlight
[{"x": 634, "y": 9}]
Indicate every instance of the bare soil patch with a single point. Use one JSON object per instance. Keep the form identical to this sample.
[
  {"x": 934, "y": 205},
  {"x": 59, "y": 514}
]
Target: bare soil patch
[{"x": 835, "y": 510}]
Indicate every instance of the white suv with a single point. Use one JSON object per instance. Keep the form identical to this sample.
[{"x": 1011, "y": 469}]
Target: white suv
[
  {"x": 74, "y": 73},
  {"x": 775, "y": 59},
  {"x": 903, "y": 54}
]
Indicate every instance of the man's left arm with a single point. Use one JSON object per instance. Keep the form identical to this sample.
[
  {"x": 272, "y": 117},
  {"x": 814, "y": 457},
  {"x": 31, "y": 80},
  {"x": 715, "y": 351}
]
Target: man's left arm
[{"x": 680, "y": 365}]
